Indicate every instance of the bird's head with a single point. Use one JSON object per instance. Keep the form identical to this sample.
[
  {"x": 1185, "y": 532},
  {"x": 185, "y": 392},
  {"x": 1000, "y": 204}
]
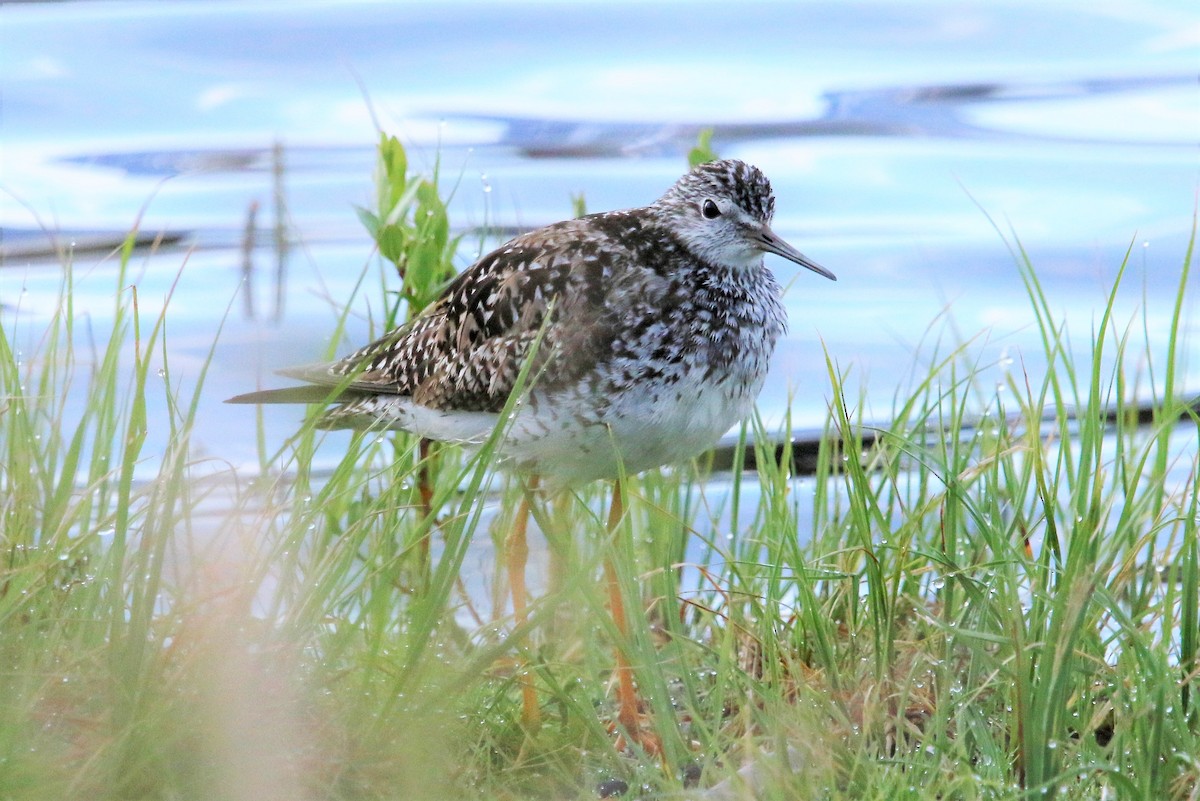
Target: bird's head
[{"x": 722, "y": 213}]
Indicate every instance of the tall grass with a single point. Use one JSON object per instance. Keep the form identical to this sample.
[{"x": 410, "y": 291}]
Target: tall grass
[
  {"x": 999, "y": 598},
  {"x": 83, "y": 623}
]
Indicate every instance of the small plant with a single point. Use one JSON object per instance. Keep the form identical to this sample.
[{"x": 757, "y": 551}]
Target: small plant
[
  {"x": 412, "y": 232},
  {"x": 411, "y": 229},
  {"x": 702, "y": 152}
]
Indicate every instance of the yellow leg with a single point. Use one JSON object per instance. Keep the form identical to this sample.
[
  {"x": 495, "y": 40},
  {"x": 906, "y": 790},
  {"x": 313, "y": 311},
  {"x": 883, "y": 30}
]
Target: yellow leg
[
  {"x": 517, "y": 549},
  {"x": 628, "y": 714}
]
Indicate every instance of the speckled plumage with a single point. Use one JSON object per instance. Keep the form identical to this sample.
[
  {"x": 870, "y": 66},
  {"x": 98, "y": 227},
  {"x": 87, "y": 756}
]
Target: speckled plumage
[{"x": 661, "y": 324}]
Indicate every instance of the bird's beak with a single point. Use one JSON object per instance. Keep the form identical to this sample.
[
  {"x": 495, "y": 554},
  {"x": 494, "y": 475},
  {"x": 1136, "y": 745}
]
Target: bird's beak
[{"x": 769, "y": 242}]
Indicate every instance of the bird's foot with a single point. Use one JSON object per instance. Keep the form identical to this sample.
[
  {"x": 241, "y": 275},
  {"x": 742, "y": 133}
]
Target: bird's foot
[{"x": 636, "y": 731}]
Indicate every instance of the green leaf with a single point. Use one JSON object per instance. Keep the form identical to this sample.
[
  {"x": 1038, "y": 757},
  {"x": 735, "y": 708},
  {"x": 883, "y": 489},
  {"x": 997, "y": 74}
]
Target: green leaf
[
  {"x": 579, "y": 205},
  {"x": 703, "y": 152},
  {"x": 369, "y": 221},
  {"x": 393, "y": 241}
]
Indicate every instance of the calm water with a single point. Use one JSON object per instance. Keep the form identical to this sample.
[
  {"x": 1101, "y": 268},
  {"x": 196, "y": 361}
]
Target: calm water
[{"x": 894, "y": 134}]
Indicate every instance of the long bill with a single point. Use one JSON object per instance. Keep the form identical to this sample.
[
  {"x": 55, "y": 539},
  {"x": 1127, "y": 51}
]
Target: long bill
[{"x": 769, "y": 242}]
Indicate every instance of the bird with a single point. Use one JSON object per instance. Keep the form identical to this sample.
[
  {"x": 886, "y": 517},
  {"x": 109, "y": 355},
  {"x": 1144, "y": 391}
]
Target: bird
[{"x": 647, "y": 332}]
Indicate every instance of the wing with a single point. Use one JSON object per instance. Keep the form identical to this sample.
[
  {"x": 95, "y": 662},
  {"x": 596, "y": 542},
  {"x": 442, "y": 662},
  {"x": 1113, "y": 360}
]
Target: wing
[{"x": 465, "y": 351}]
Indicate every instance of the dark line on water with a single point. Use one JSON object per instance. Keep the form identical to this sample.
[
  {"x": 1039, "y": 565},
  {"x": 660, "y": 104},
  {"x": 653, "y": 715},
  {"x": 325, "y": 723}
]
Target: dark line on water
[{"x": 805, "y": 444}]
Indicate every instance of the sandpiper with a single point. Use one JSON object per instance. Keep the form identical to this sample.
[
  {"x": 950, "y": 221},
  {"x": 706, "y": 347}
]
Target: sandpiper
[{"x": 656, "y": 325}]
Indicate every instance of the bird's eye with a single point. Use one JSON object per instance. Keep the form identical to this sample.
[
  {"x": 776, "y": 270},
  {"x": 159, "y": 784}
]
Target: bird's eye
[{"x": 710, "y": 210}]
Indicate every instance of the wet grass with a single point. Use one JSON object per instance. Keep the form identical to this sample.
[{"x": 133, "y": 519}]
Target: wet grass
[{"x": 999, "y": 598}]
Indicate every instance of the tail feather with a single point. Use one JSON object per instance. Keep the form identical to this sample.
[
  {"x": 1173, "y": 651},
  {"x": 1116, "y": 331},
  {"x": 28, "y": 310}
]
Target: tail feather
[
  {"x": 343, "y": 413},
  {"x": 310, "y": 393}
]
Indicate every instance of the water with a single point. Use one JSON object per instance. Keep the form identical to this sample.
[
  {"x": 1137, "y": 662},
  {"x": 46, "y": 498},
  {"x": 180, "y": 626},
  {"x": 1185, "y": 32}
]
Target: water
[{"x": 896, "y": 135}]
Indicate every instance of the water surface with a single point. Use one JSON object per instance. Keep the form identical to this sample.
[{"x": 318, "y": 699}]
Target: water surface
[{"x": 898, "y": 136}]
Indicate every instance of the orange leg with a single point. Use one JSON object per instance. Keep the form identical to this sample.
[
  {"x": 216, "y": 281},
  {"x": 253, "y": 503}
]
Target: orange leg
[
  {"x": 517, "y": 549},
  {"x": 425, "y": 490},
  {"x": 628, "y": 707}
]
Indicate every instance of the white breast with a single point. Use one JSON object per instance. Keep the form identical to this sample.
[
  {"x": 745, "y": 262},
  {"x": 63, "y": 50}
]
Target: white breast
[{"x": 639, "y": 431}]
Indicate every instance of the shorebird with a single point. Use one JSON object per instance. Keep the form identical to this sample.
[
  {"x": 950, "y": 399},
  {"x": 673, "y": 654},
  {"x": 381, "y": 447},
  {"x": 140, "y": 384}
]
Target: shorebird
[{"x": 650, "y": 330}]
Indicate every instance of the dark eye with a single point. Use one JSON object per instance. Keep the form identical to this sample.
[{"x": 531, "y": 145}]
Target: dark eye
[{"x": 710, "y": 210}]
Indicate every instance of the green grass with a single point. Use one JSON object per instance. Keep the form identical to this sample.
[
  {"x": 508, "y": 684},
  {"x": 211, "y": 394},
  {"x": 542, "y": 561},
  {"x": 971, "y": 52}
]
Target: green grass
[{"x": 317, "y": 643}]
